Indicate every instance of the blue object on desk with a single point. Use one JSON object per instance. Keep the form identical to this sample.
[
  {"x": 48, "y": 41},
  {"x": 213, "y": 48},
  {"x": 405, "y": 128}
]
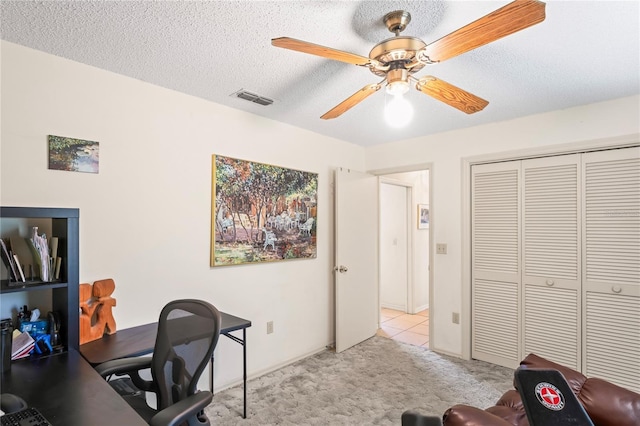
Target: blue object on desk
[
  {"x": 42, "y": 344},
  {"x": 34, "y": 328}
]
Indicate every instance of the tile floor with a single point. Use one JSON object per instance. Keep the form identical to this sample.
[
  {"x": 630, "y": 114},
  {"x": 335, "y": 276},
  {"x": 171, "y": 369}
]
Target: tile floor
[{"x": 407, "y": 328}]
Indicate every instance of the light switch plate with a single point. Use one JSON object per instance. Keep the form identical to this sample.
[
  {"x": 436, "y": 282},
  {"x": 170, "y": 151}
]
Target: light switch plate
[{"x": 441, "y": 248}]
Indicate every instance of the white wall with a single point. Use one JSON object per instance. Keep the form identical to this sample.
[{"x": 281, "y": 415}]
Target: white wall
[
  {"x": 145, "y": 218},
  {"x": 446, "y": 152},
  {"x": 394, "y": 246}
]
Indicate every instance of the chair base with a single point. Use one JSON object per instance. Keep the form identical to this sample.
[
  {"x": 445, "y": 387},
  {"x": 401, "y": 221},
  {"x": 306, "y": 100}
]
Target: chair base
[{"x": 413, "y": 418}]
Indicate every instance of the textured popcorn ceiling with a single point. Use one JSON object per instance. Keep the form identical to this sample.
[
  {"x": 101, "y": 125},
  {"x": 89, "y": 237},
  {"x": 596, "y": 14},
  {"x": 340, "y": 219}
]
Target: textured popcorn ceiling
[{"x": 584, "y": 52}]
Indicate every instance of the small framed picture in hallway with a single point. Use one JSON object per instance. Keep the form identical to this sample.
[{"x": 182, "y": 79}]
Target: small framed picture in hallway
[{"x": 423, "y": 216}]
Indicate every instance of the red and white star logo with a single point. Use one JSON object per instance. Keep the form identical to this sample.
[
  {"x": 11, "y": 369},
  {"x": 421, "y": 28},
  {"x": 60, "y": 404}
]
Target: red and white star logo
[{"x": 550, "y": 396}]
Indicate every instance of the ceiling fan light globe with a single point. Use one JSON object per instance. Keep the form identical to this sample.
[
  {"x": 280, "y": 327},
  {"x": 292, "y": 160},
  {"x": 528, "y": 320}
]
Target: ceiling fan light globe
[
  {"x": 398, "y": 112},
  {"x": 397, "y": 87}
]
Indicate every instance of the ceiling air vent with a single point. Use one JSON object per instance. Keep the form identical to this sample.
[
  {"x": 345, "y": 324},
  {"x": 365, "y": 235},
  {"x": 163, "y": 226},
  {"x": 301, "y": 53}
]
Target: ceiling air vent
[{"x": 252, "y": 97}]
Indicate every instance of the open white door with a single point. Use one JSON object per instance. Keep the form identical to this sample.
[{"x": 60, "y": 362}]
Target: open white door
[{"x": 356, "y": 267}]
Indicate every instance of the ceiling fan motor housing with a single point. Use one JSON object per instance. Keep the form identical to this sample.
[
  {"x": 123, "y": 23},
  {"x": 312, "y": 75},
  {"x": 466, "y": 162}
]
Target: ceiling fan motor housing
[{"x": 401, "y": 49}]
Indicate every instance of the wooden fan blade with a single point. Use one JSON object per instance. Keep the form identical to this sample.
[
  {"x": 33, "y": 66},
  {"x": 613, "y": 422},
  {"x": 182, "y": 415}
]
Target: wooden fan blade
[
  {"x": 316, "y": 49},
  {"x": 509, "y": 19},
  {"x": 451, "y": 95},
  {"x": 351, "y": 101}
]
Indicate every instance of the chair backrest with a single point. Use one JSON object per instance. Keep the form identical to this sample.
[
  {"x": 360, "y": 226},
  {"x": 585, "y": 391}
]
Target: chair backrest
[{"x": 188, "y": 332}]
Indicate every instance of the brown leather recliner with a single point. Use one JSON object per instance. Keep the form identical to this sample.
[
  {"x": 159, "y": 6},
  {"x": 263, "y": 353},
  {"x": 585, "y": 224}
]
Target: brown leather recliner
[{"x": 605, "y": 403}]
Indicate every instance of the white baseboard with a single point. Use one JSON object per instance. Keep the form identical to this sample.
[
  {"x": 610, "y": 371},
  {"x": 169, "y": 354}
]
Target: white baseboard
[
  {"x": 394, "y": 307},
  {"x": 443, "y": 352},
  {"x": 422, "y": 308},
  {"x": 262, "y": 372},
  {"x": 402, "y": 308}
]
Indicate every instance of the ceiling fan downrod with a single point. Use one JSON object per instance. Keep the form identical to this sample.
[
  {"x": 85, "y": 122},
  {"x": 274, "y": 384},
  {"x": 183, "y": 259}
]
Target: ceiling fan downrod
[{"x": 397, "y": 21}]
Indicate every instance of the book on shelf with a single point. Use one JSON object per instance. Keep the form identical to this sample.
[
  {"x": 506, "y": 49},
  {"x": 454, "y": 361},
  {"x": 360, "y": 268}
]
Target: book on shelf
[
  {"x": 22, "y": 345},
  {"x": 26, "y": 354},
  {"x": 7, "y": 258},
  {"x": 53, "y": 248},
  {"x": 57, "y": 268},
  {"x": 20, "y": 248},
  {"x": 19, "y": 268}
]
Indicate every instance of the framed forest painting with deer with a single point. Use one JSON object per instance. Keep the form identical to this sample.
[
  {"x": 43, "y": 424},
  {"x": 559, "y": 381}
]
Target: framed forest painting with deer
[{"x": 261, "y": 212}]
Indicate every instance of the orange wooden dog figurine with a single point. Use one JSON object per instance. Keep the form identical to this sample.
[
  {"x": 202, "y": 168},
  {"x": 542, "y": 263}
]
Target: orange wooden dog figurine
[{"x": 96, "y": 315}]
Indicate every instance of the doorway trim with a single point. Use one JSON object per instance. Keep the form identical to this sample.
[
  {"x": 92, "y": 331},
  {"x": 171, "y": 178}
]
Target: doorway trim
[{"x": 432, "y": 227}]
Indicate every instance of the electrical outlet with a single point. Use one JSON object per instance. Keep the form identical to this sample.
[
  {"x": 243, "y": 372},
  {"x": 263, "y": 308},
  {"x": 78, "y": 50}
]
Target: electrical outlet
[
  {"x": 269, "y": 327},
  {"x": 441, "y": 248},
  {"x": 455, "y": 317}
]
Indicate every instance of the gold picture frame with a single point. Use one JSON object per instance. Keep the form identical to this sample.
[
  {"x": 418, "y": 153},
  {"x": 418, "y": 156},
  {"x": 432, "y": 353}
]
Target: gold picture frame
[{"x": 261, "y": 213}]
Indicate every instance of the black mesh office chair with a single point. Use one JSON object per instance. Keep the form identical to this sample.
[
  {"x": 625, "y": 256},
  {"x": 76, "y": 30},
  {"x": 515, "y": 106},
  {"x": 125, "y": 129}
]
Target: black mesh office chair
[{"x": 188, "y": 332}]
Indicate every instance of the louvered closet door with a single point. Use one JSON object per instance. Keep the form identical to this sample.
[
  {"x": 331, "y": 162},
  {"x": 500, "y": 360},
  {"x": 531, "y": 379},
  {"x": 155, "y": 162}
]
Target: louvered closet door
[
  {"x": 551, "y": 259},
  {"x": 495, "y": 262},
  {"x": 611, "y": 341}
]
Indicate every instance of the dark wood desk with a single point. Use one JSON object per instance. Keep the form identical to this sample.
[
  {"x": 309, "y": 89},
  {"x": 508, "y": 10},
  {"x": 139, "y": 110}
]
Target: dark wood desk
[
  {"x": 68, "y": 391},
  {"x": 140, "y": 340}
]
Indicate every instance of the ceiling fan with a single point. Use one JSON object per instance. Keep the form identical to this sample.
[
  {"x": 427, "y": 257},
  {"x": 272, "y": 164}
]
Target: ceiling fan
[{"x": 398, "y": 58}]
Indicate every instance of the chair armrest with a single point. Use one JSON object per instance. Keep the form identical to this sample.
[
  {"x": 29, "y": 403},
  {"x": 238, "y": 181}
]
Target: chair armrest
[
  {"x": 179, "y": 412},
  {"x": 123, "y": 366},
  {"x": 130, "y": 366}
]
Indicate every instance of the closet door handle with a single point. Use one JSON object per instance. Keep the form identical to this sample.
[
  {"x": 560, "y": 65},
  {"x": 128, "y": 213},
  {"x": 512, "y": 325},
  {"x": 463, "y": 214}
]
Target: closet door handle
[
  {"x": 616, "y": 289},
  {"x": 550, "y": 283}
]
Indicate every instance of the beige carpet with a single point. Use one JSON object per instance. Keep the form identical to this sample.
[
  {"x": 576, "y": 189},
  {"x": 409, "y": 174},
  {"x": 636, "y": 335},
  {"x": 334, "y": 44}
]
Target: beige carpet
[{"x": 369, "y": 384}]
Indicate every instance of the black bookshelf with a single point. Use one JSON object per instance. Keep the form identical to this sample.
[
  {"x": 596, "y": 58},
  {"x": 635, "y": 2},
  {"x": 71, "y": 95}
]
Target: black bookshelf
[{"x": 64, "y": 292}]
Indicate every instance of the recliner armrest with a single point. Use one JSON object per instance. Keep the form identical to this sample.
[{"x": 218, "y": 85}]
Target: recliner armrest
[
  {"x": 471, "y": 416},
  {"x": 182, "y": 410},
  {"x": 609, "y": 404}
]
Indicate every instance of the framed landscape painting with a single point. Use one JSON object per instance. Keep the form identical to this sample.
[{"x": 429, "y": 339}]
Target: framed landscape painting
[
  {"x": 261, "y": 213},
  {"x": 74, "y": 155}
]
